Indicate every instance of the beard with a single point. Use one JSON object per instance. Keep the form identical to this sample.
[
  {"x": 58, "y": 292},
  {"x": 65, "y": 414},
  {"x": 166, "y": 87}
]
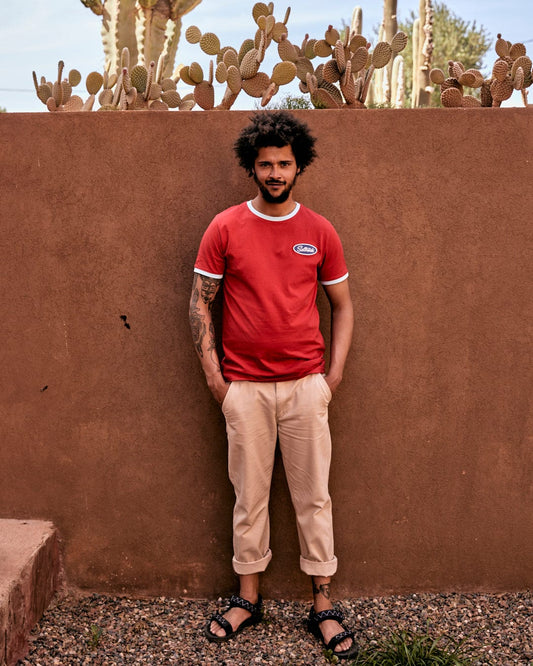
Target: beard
[{"x": 270, "y": 198}]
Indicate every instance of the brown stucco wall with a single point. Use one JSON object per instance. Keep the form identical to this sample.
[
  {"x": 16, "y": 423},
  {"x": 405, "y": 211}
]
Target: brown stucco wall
[{"x": 110, "y": 432}]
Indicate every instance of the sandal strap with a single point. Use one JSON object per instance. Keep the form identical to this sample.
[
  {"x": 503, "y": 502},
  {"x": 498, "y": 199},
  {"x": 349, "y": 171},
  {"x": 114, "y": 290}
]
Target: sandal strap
[
  {"x": 224, "y": 624},
  {"x": 330, "y": 614},
  {"x": 338, "y": 638},
  {"x": 238, "y": 602}
]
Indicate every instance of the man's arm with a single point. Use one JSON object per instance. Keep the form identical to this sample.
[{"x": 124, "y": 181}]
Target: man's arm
[
  {"x": 204, "y": 290},
  {"x": 341, "y": 330}
]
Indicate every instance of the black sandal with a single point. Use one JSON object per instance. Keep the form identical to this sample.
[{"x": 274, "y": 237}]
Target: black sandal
[
  {"x": 313, "y": 625},
  {"x": 256, "y": 615}
]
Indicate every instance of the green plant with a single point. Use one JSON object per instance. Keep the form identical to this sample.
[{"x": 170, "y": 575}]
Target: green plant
[
  {"x": 406, "y": 648},
  {"x": 95, "y": 636},
  {"x": 291, "y": 102}
]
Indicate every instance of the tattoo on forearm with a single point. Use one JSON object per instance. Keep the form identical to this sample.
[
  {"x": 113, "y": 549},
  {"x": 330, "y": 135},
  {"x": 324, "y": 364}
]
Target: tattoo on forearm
[
  {"x": 207, "y": 292},
  {"x": 323, "y": 589},
  {"x": 209, "y": 289}
]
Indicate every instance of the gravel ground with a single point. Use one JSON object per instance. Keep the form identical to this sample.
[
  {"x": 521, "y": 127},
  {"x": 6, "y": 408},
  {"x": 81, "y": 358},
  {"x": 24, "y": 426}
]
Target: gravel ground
[{"x": 109, "y": 630}]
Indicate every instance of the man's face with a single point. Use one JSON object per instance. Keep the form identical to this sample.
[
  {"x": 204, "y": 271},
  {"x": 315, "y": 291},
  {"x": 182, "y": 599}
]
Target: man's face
[{"x": 275, "y": 172}]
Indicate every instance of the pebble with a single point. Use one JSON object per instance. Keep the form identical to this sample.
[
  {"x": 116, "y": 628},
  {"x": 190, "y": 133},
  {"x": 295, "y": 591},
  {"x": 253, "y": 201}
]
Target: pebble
[{"x": 104, "y": 630}]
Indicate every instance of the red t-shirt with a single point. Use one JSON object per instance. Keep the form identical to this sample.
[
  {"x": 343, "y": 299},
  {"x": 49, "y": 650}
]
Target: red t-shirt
[{"x": 271, "y": 267}]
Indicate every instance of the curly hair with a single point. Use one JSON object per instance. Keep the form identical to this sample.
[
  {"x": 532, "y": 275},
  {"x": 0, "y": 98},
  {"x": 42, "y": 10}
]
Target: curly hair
[{"x": 275, "y": 128}]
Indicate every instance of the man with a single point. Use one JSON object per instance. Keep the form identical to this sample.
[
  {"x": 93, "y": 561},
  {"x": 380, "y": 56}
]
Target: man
[{"x": 271, "y": 253}]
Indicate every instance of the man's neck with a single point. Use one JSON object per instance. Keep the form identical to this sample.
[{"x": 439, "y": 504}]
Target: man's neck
[{"x": 273, "y": 209}]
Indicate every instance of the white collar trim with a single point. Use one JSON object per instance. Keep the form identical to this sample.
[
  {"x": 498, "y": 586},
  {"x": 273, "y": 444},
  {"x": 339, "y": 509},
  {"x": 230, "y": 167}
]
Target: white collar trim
[{"x": 272, "y": 217}]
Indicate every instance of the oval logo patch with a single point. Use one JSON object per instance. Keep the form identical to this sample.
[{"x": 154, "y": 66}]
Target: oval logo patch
[{"x": 305, "y": 248}]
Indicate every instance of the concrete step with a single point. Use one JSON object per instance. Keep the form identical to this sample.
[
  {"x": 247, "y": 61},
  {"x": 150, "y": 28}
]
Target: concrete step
[{"x": 30, "y": 574}]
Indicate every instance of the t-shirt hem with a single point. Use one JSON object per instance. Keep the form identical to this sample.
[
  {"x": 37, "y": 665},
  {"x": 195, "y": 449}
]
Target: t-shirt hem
[
  {"x": 341, "y": 279},
  {"x": 215, "y": 276},
  {"x": 236, "y": 377}
]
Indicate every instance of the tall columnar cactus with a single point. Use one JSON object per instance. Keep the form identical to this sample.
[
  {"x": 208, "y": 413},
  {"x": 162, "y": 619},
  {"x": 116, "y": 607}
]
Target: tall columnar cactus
[
  {"x": 422, "y": 54},
  {"x": 512, "y": 70},
  {"x": 147, "y": 28}
]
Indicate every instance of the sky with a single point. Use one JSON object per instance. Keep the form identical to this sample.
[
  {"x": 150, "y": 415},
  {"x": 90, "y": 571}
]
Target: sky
[{"x": 35, "y": 35}]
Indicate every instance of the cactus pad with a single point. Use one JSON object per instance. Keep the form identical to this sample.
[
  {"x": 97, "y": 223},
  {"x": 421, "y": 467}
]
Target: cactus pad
[
  {"x": 469, "y": 101},
  {"x": 278, "y": 31},
  {"x": 502, "y": 47},
  {"x": 287, "y": 50},
  {"x": 139, "y": 77},
  {"x": 451, "y": 97},
  {"x": 467, "y": 79},
  {"x": 359, "y": 59},
  {"x": 356, "y": 42},
  {"x": 246, "y": 46},
  {"x": 340, "y": 55},
  {"x": 105, "y": 98},
  {"x": 323, "y": 100},
  {"x": 500, "y": 70},
  {"x": 331, "y": 36},
  {"x": 221, "y": 73},
  {"x": 204, "y": 95},
  {"x": 44, "y": 92},
  {"x": 283, "y": 73},
  {"x": 322, "y": 48},
  {"x": 250, "y": 64},
  {"x": 399, "y": 42},
  {"x": 517, "y": 50},
  {"x": 168, "y": 84},
  {"x": 196, "y": 72},
  {"x": 501, "y": 90},
  {"x": 256, "y": 86},
  {"x": 94, "y": 82},
  {"x": 234, "y": 79},
  {"x": 210, "y": 43},
  {"x": 231, "y": 57},
  {"x": 171, "y": 98},
  {"x": 437, "y": 76},
  {"x": 260, "y": 9},
  {"x": 74, "y": 77},
  {"x": 381, "y": 55},
  {"x": 193, "y": 34},
  {"x": 331, "y": 72},
  {"x": 303, "y": 66}
]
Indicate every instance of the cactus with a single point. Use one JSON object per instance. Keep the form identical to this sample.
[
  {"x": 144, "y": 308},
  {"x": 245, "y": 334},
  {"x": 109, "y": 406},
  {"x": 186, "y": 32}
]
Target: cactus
[
  {"x": 135, "y": 89},
  {"x": 422, "y": 54},
  {"x": 58, "y": 96},
  {"x": 240, "y": 68},
  {"x": 147, "y": 28},
  {"x": 351, "y": 65},
  {"x": 512, "y": 70}
]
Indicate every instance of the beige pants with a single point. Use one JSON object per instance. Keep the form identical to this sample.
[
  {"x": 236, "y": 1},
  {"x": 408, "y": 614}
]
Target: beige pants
[{"x": 256, "y": 415}]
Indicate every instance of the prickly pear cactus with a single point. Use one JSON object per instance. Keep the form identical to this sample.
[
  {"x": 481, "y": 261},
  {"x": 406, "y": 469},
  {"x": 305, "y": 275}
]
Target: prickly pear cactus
[
  {"x": 512, "y": 70},
  {"x": 138, "y": 88},
  {"x": 239, "y": 68}
]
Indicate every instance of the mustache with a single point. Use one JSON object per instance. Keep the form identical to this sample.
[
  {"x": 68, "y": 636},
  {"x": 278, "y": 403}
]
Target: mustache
[{"x": 275, "y": 182}]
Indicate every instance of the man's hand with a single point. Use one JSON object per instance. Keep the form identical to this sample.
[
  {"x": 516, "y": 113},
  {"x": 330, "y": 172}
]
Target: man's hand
[
  {"x": 332, "y": 381},
  {"x": 218, "y": 387}
]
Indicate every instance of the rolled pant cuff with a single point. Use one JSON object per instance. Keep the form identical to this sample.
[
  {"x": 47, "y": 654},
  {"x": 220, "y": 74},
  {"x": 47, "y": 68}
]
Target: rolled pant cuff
[
  {"x": 244, "y": 568},
  {"x": 318, "y": 568}
]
